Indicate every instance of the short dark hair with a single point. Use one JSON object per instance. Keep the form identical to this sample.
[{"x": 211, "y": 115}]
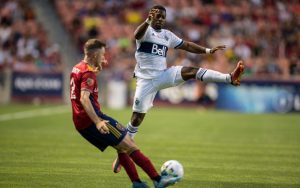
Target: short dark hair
[
  {"x": 159, "y": 7},
  {"x": 93, "y": 44}
]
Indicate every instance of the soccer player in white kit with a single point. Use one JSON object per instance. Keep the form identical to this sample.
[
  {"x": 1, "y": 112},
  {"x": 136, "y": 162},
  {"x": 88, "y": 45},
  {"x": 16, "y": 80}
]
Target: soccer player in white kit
[{"x": 151, "y": 70}]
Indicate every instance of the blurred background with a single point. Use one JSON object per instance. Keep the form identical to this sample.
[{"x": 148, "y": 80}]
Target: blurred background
[{"x": 40, "y": 41}]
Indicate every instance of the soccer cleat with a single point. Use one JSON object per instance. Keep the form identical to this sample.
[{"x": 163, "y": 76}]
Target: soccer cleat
[
  {"x": 166, "y": 181},
  {"x": 237, "y": 73},
  {"x": 139, "y": 185},
  {"x": 116, "y": 166}
]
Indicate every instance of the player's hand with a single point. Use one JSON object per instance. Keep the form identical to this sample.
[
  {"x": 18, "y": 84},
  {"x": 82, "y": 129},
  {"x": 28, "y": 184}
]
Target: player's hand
[
  {"x": 152, "y": 14},
  {"x": 213, "y": 50},
  {"x": 101, "y": 126}
]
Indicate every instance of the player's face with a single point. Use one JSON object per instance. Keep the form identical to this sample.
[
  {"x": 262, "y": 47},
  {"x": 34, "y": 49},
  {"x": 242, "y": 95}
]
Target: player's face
[
  {"x": 159, "y": 19},
  {"x": 100, "y": 58}
]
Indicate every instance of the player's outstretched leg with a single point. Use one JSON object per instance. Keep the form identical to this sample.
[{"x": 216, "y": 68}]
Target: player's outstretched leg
[
  {"x": 237, "y": 73},
  {"x": 208, "y": 75}
]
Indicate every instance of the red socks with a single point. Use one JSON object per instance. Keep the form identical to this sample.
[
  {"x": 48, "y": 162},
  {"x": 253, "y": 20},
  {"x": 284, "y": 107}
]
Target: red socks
[
  {"x": 129, "y": 166},
  {"x": 140, "y": 159}
]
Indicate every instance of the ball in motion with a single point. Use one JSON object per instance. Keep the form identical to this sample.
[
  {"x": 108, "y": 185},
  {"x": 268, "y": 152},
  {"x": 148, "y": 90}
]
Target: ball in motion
[{"x": 172, "y": 168}]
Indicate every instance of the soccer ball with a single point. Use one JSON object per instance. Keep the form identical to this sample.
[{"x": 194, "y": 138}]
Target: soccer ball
[{"x": 172, "y": 168}]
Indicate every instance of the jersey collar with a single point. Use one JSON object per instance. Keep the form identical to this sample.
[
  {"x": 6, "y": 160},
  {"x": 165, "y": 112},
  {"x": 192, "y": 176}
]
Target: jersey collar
[
  {"x": 89, "y": 67},
  {"x": 156, "y": 30}
]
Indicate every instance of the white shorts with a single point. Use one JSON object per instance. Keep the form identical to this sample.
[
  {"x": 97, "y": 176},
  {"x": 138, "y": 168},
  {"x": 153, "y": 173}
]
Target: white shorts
[{"x": 146, "y": 89}]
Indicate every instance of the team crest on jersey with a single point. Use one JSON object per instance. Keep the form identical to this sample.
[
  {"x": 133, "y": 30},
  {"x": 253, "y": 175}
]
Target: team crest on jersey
[
  {"x": 137, "y": 102},
  {"x": 90, "y": 81},
  {"x": 166, "y": 37}
]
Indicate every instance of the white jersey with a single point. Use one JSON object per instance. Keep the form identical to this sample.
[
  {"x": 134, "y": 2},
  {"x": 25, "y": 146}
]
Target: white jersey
[{"x": 151, "y": 52}]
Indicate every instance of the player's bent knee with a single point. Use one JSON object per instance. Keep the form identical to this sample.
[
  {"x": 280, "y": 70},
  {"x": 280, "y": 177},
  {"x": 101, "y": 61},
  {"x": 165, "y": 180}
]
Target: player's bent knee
[
  {"x": 127, "y": 149},
  {"x": 130, "y": 150},
  {"x": 121, "y": 151},
  {"x": 126, "y": 146},
  {"x": 189, "y": 72}
]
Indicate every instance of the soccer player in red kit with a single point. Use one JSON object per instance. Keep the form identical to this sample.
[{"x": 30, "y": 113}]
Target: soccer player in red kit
[{"x": 101, "y": 130}]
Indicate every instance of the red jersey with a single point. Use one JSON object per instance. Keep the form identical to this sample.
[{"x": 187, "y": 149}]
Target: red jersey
[{"x": 83, "y": 78}]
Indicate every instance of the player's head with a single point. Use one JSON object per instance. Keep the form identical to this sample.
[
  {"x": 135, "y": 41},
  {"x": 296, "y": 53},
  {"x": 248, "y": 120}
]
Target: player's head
[
  {"x": 94, "y": 51},
  {"x": 159, "y": 18}
]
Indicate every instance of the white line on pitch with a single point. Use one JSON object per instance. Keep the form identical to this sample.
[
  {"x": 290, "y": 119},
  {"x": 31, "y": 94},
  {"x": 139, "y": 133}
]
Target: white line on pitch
[{"x": 34, "y": 113}]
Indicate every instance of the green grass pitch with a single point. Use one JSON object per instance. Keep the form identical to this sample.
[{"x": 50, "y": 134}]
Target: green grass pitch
[{"x": 217, "y": 149}]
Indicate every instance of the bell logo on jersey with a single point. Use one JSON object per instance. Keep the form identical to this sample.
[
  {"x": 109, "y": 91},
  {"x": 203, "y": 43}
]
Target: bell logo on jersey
[
  {"x": 158, "y": 51},
  {"x": 152, "y": 48}
]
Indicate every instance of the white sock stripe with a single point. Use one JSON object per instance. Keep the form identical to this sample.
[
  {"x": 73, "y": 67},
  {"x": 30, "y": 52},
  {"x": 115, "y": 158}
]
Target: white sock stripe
[
  {"x": 228, "y": 78},
  {"x": 200, "y": 74},
  {"x": 131, "y": 131},
  {"x": 131, "y": 128},
  {"x": 203, "y": 75},
  {"x": 207, "y": 75}
]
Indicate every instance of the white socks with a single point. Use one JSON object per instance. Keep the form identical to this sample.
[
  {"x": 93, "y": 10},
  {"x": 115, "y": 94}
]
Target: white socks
[
  {"x": 207, "y": 75},
  {"x": 131, "y": 130}
]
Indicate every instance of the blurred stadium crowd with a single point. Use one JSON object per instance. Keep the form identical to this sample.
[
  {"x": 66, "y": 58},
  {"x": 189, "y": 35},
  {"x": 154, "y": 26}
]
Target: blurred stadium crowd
[
  {"x": 263, "y": 33},
  {"x": 24, "y": 45}
]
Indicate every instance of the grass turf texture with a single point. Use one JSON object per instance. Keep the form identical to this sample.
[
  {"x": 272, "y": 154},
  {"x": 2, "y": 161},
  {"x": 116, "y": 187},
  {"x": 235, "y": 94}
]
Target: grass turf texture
[{"x": 217, "y": 149}]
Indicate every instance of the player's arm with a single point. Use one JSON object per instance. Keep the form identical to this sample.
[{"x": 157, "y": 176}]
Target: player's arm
[
  {"x": 88, "y": 107},
  {"x": 141, "y": 29},
  {"x": 195, "y": 48}
]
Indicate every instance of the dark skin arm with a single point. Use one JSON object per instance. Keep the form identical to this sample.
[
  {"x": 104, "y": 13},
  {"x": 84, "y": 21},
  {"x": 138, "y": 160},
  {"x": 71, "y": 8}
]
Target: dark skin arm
[
  {"x": 197, "y": 49},
  {"x": 141, "y": 29},
  {"x": 187, "y": 46}
]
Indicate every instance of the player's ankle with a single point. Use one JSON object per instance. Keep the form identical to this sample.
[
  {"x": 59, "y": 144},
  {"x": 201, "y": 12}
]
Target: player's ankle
[
  {"x": 131, "y": 130},
  {"x": 131, "y": 135},
  {"x": 156, "y": 179}
]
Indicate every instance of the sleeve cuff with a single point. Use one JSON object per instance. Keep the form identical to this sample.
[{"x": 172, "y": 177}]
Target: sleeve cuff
[
  {"x": 179, "y": 44},
  {"x": 86, "y": 89}
]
